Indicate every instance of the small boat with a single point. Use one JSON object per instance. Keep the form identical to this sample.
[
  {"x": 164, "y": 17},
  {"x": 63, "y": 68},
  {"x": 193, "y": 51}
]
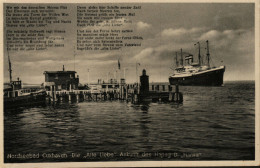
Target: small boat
[
  {"x": 196, "y": 74},
  {"x": 16, "y": 96}
]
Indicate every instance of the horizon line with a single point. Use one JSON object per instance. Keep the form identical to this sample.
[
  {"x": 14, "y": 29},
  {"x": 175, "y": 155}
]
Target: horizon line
[{"x": 135, "y": 82}]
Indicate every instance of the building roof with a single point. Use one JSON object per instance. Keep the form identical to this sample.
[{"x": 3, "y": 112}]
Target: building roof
[{"x": 59, "y": 72}]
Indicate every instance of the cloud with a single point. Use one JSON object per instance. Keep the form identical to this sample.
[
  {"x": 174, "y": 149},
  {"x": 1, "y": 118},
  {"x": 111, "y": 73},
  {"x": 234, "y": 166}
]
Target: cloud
[
  {"x": 97, "y": 62},
  {"x": 173, "y": 32},
  {"x": 212, "y": 35},
  {"x": 224, "y": 38},
  {"x": 95, "y": 56},
  {"x": 144, "y": 53},
  {"x": 142, "y": 25},
  {"x": 180, "y": 35},
  {"x": 180, "y": 31},
  {"x": 42, "y": 63},
  {"x": 87, "y": 62},
  {"x": 167, "y": 42}
]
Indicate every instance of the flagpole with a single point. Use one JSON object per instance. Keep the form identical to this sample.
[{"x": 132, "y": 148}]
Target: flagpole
[
  {"x": 88, "y": 77},
  {"x": 124, "y": 72},
  {"x": 118, "y": 63},
  {"x": 107, "y": 77},
  {"x": 119, "y": 76},
  {"x": 136, "y": 74},
  {"x": 74, "y": 57},
  {"x": 116, "y": 75}
]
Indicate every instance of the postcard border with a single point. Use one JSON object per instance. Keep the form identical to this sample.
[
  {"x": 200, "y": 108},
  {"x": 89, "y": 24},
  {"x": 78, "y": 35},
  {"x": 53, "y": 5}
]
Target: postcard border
[{"x": 144, "y": 163}]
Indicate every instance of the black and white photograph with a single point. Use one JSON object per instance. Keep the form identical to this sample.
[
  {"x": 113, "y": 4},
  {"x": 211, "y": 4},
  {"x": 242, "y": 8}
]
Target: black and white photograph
[{"x": 116, "y": 82}]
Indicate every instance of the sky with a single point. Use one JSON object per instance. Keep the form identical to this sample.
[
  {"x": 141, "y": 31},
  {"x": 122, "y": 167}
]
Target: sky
[{"x": 165, "y": 28}]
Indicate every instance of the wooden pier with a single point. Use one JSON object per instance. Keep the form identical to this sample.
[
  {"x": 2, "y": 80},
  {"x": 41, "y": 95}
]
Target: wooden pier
[
  {"x": 121, "y": 93},
  {"x": 124, "y": 93},
  {"x": 113, "y": 90}
]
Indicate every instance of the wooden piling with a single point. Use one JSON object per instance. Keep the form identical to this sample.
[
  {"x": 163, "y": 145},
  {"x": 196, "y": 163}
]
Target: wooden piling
[
  {"x": 123, "y": 93},
  {"x": 54, "y": 95},
  {"x": 170, "y": 96},
  {"x": 136, "y": 98},
  {"x": 177, "y": 96},
  {"x": 9, "y": 94},
  {"x": 126, "y": 93}
]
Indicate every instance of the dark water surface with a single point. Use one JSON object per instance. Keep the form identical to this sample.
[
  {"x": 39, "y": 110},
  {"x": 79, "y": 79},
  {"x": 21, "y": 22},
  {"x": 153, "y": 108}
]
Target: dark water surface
[{"x": 213, "y": 123}]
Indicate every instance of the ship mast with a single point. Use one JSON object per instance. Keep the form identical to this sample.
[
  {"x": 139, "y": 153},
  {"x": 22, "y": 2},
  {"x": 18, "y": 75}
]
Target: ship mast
[
  {"x": 181, "y": 58},
  {"x": 199, "y": 54},
  {"x": 208, "y": 53},
  {"x": 176, "y": 60},
  {"x": 9, "y": 63},
  {"x": 10, "y": 67}
]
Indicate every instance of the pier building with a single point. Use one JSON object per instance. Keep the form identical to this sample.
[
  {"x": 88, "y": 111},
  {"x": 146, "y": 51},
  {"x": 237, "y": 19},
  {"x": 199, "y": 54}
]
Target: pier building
[{"x": 61, "y": 80}]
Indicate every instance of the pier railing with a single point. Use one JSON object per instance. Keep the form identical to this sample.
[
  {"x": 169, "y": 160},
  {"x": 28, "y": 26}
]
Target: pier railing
[{"x": 123, "y": 92}]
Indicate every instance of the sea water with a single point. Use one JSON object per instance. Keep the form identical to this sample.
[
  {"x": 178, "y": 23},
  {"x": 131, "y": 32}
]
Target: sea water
[{"x": 212, "y": 123}]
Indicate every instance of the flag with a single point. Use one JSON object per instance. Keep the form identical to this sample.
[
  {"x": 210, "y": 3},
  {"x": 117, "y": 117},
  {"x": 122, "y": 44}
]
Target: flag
[{"x": 118, "y": 64}]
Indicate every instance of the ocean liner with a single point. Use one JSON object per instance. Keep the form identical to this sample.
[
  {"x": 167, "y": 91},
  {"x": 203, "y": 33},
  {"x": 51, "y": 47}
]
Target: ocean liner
[{"x": 197, "y": 74}]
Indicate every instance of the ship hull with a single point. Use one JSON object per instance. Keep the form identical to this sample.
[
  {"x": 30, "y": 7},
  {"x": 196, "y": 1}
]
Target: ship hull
[
  {"x": 22, "y": 101},
  {"x": 208, "y": 78}
]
